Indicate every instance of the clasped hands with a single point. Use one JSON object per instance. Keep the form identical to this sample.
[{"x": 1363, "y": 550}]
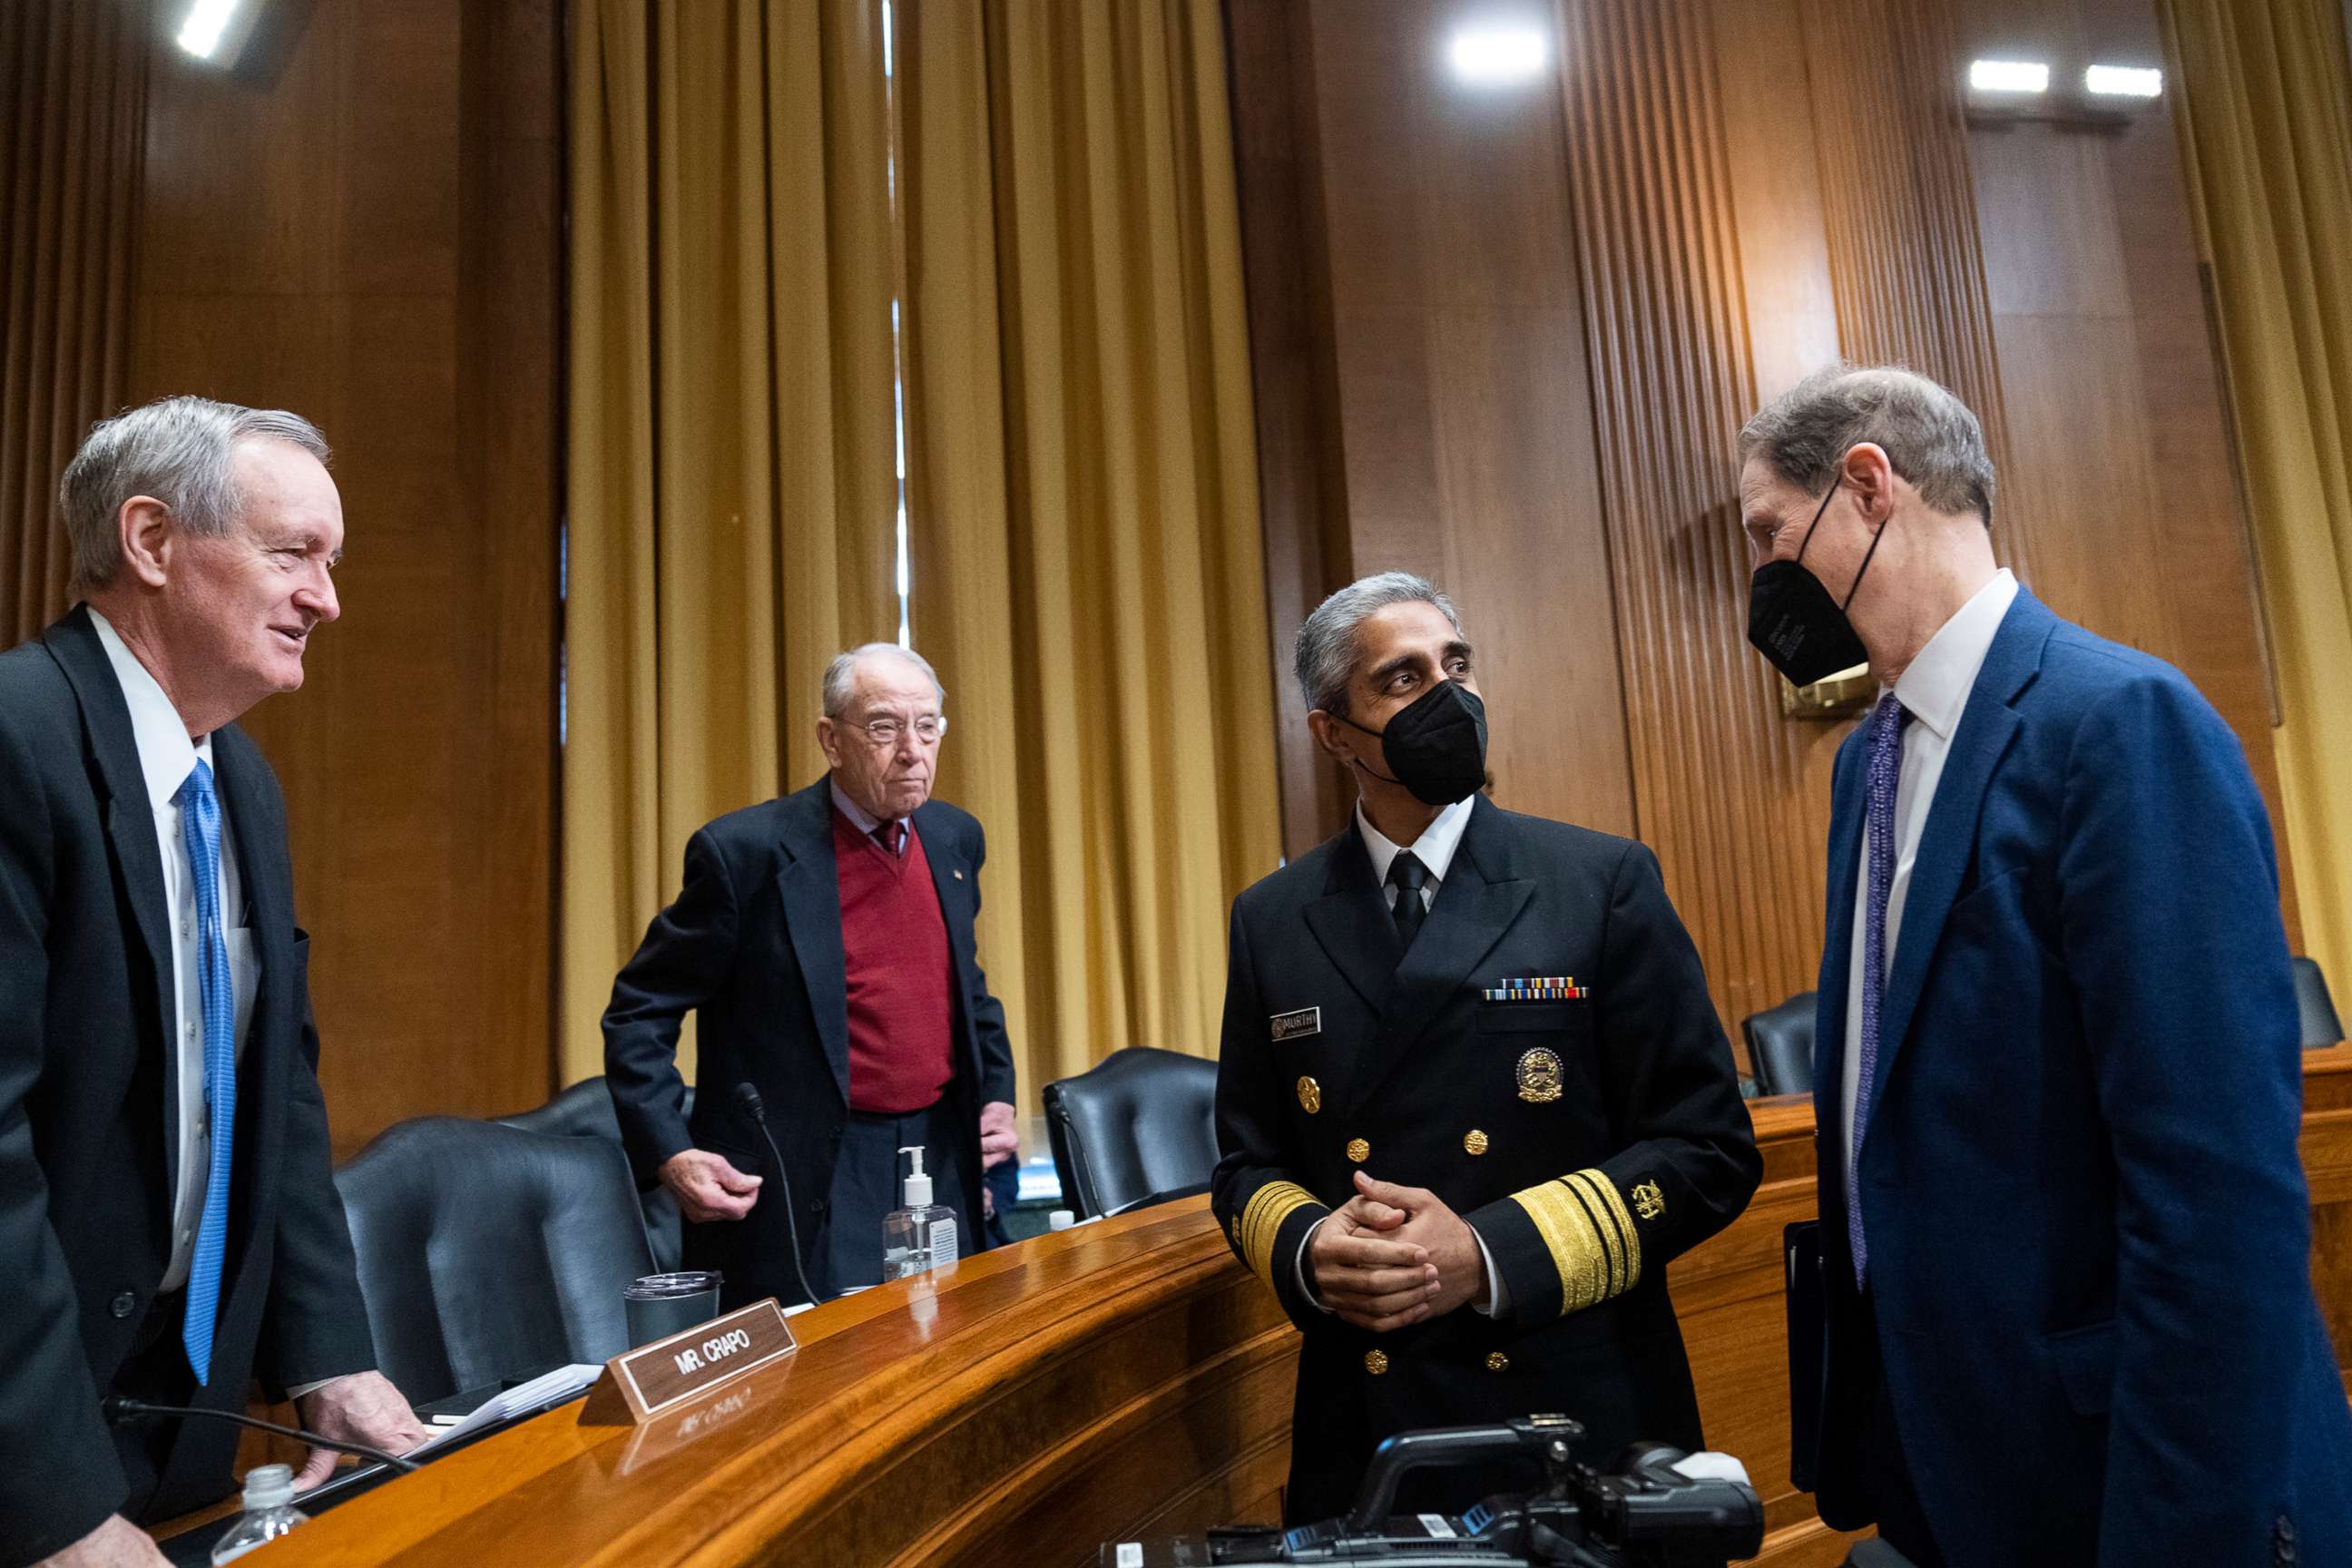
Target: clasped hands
[{"x": 1392, "y": 1256}]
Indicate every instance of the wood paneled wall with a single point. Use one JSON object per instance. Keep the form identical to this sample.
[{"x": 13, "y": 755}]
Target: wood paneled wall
[
  {"x": 1419, "y": 349},
  {"x": 2122, "y": 484},
  {"x": 1507, "y": 336},
  {"x": 1898, "y": 209},
  {"x": 1666, "y": 314},
  {"x": 73, "y": 105},
  {"x": 362, "y": 225}
]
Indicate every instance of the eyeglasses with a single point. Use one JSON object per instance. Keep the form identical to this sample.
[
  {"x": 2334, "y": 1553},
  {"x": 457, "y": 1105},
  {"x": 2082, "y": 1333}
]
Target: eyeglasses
[{"x": 885, "y": 732}]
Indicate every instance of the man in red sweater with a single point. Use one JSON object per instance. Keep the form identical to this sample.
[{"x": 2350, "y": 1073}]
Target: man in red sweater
[{"x": 825, "y": 940}]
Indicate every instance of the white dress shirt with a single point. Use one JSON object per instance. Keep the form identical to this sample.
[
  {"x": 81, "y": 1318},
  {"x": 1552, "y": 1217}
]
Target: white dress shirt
[
  {"x": 866, "y": 822},
  {"x": 1434, "y": 849},
  {"x": 166, "y": 757},
  {"x": 1934, "y": 689}
]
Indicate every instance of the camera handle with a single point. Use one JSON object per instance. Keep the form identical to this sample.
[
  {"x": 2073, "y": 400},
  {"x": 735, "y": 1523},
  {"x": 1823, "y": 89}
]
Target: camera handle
[{"x": 1545, "y": 1438}]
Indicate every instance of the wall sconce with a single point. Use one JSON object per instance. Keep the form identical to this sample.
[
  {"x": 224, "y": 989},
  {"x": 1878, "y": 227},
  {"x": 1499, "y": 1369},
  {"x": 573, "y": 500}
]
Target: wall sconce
[
  {"x": 2123, "y": 81},
  {"x": 2023, "y": 77},
  {"x": 2021, "y": 90},
  {"x": 1839, "y": 695}
]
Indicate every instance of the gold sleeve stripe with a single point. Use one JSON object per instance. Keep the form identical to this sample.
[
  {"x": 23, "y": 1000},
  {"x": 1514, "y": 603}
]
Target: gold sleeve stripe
[
  {"x": 1602, "y": 1235},
  {"x": 1566, "y": 1237},
  {"x": 1591, "y": 1237},
  {"x": 1569, "y": 1237},
  {"x": 1262, "y": 1222},
  {"x": 1615, "y": 1225}
]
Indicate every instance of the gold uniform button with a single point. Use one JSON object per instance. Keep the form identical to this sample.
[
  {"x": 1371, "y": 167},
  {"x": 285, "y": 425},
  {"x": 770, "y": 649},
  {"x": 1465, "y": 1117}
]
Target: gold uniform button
[
  {"x": 1498, "y": 1361},
  {"x": 1473, "y": 1141},
  {"x": 1358, "y": 1151},
  {"x": 1376, "y": 1361},
  {"x": 1310, "y": 1096}
]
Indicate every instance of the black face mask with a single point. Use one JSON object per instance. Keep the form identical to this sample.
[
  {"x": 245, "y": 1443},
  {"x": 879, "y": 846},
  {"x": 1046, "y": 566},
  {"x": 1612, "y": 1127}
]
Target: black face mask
[
  {"x": 1435, "y": 745},
  {"x": 1794, "y": 622}
]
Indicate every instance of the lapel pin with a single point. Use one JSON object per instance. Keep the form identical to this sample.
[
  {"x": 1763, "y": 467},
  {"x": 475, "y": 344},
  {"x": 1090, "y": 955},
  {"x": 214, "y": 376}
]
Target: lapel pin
[{"x": 959, "y": 873}]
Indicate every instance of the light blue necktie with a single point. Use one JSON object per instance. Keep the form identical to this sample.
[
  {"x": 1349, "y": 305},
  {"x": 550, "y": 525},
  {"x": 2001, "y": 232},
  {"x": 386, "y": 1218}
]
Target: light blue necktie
[
  {"x": 200, "y": 828},
  {"x": 1885, "y": 772}
]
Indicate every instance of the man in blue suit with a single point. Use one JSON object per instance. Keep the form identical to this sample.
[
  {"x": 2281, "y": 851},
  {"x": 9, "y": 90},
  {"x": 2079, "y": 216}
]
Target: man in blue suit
[{"x": 2066, "y": 1237}]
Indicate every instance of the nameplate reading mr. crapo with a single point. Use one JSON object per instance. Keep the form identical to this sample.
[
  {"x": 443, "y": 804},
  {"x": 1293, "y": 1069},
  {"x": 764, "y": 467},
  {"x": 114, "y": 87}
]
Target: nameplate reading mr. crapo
[{"x": 652, "y": 1378}]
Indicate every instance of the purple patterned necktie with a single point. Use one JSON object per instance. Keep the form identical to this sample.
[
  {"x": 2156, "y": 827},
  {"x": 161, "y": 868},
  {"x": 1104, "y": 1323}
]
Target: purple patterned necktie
[{"x": 1885, "y": 771}]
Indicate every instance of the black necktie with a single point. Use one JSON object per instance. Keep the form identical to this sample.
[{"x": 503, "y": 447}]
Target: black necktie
[{"x": 1406, "y": 874}]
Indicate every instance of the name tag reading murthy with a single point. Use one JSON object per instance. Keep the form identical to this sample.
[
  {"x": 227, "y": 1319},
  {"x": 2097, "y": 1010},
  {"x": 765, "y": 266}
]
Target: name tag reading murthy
[
  {"x": 652, "y": 1378},
  {"x": 1295, "y": 1025}
]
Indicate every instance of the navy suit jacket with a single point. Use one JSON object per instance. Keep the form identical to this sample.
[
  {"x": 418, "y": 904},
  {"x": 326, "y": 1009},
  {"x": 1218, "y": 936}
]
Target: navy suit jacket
[
  {"x": 2089, "y": 1234},
  {"x": 752, "y": 945}
]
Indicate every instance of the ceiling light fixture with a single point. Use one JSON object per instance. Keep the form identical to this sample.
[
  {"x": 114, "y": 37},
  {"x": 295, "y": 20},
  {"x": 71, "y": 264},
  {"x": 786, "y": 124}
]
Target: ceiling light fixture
[
  {"x": 214, "y": 31},
  {"x": 1498, "y": 54}
]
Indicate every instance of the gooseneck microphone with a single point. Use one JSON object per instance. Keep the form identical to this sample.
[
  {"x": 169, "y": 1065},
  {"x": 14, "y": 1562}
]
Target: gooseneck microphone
[
  {"x": 117, "y": 1409},
  {"x": 747, "y": 1100}
]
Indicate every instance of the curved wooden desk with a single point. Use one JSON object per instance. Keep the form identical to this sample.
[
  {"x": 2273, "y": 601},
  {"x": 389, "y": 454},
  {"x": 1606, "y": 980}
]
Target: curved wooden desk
[{"x": 1120, "y": 1379}]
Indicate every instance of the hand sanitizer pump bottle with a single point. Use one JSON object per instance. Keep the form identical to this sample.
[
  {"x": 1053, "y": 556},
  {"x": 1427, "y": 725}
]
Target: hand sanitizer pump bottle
[{"x": 922, "y": 1236}]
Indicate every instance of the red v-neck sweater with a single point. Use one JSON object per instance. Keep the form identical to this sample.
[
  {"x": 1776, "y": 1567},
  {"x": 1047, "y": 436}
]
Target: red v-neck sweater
[{"x": 896, "y": 944}]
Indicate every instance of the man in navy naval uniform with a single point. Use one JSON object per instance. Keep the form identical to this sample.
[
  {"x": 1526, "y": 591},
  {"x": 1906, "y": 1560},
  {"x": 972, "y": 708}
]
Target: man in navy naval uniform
[
  {"x": 2065, "y": 1241},
  {"x": 1473, "y": 1097}
]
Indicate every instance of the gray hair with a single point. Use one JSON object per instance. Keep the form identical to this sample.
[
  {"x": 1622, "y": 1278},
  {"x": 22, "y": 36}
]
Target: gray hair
[
  {"x": 179, "y": 450},
  {"x": 1930, "y": 436},
  {"x": 841, "y": 675},
  {"x": 1324, "y": 654}
]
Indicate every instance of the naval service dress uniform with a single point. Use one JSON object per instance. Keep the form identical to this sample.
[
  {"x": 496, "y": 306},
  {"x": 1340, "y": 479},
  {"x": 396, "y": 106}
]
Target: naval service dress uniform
[{"x": 1538, "y": 1050}]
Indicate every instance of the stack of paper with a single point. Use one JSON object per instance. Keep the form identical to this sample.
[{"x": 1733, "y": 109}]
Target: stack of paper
[{"x": 547, "y": 1389}]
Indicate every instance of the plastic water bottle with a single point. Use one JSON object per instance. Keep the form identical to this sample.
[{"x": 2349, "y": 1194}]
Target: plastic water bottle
[{"x": 269, "y": 1512}]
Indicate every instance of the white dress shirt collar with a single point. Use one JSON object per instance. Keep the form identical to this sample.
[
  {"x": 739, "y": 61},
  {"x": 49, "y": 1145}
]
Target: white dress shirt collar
[
  {"x": 166, "y": 756},
  {"x": 1936, "y": 688},
  {"x": 860, "y": 819},
  {"x": 1434, "y": 849}
]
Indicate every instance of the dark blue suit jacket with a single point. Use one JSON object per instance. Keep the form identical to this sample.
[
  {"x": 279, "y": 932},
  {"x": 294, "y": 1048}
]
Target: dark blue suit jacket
[{"x": 2089, "y": 1233}]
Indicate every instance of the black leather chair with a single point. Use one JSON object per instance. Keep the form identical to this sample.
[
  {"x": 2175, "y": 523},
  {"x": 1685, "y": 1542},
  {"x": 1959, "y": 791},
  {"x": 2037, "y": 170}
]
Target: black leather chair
[
  {"x": 1137, "y": 1123},
  {"x": 2318, "y": 1010},
  {"x": 585, "y": 1110},
  {"x": 1780, "y": 1046},
  {"x": 488, "y": 1252}
]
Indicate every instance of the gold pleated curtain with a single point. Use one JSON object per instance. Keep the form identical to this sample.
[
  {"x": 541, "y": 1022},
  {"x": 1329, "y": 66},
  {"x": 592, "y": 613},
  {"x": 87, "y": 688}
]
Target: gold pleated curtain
[
  {"x": 1084, "y": 491},
  {"x": 1082, "y": 485},
  {"x": 2268, "y": 127},
  {"x": 73, "y": 116},
  {"x": 731, "y": 490}
]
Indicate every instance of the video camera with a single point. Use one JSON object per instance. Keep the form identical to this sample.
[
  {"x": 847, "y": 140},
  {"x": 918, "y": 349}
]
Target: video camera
[{"x": 1643, "y": 1514}]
